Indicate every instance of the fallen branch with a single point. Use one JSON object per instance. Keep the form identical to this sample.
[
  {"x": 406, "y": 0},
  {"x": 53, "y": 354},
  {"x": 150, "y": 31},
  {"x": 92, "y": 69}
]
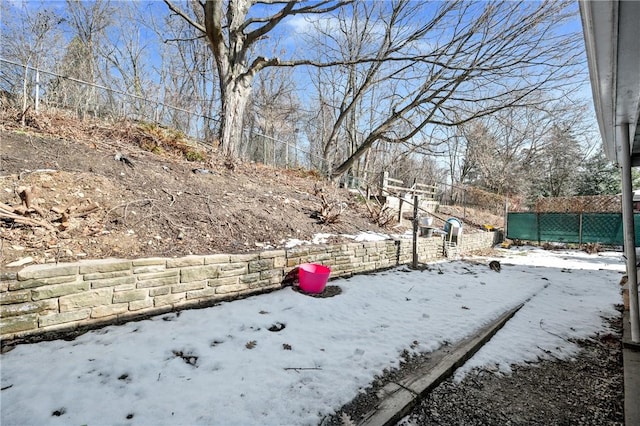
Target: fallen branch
[
  {"x": 83, "y": 211},
  {"x": 327, "y": 214},
  {"x": 382, "y": 215},
  {"x": 26, "y": 195},
  {"x": 6, "y": 208},
  {"x": 26, "y": 221},
  {"x": 173, "y": 197}
]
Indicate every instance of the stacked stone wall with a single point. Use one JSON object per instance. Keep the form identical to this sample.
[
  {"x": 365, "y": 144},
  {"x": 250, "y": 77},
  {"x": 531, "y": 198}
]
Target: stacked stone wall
[{"x": 53, "y": 299}]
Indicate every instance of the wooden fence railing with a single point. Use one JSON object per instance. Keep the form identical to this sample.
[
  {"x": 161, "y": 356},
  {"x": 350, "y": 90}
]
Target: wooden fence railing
[{"x": 394, "y": 186}]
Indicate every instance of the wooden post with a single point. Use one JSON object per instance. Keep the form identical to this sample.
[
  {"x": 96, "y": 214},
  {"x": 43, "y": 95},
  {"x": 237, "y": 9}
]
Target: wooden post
[
  {"x": 385, "y": 182},
  {"x": 414, "y": 264},
  {"x": 506, "y": 216}
]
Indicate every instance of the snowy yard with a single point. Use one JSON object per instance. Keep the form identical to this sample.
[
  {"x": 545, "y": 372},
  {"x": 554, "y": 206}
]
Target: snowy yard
[{"x": 223, "y": 365}]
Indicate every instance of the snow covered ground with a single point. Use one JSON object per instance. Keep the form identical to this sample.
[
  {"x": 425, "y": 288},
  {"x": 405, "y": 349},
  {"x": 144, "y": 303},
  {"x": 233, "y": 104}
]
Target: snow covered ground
[{"x": 222, "y": 365}]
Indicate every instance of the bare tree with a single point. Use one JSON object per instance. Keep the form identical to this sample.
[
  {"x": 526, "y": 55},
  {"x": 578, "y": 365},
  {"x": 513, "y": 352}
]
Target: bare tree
[
  {"x": 233, "y": 30},
  {"x": 87, "y": 25},
  {"x": 370, "y": 48},
  {"x": 126, "y": 57},
  {"x": 273, "y": 111},
  {"x": 467, "y": 60},
  {"x": 29, "y": 37},
  {"x": 457, "y": 156},
  {"x": 186, "y": 77},
  {"x": 498, "y": 148},
  {"x": 522, "y": 150}
]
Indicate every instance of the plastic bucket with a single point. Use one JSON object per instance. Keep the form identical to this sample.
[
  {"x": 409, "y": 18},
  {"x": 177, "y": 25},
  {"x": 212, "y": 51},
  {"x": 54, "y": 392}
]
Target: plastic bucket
[
  {"x": 426, "y": 221},
  {"x": 313, "y": 278}
]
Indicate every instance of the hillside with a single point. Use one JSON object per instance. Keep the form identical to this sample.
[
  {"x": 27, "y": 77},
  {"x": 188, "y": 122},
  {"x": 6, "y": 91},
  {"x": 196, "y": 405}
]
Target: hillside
[{"x": 127, "y": 190}]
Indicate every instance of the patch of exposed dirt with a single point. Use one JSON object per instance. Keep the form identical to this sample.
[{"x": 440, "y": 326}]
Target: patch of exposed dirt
[
  {"x": 587, "y": 390},
  {"x": 93, "y": 205},
  {"x": 158, "y": 207},
  {"x": 73, "y": 189},
  {"x": 329, "y": 291}
]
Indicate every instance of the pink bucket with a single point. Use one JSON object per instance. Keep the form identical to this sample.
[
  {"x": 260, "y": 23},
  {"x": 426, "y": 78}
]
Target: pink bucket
[{"x": 313, "y": 277}]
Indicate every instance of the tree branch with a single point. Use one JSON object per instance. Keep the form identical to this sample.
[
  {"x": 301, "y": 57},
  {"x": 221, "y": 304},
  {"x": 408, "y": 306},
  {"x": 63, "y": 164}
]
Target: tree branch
[
  {"x": 184, "y": 16},
  {"x": 271, "y": 22},
  {"x": 168, "y": 40}
]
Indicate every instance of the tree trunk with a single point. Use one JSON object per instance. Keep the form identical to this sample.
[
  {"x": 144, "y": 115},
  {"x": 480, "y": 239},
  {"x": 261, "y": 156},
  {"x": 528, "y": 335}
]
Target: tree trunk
[{"x": 233, "y": 106}]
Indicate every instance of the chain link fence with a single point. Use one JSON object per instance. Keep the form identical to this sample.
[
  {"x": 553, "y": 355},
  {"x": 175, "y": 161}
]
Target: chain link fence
[
  {"x": 577, "y": 228},
  {"x": 578, "y": 220},
  {"x": 292, "y": 153},
  {"x": 23, "y": 87}
]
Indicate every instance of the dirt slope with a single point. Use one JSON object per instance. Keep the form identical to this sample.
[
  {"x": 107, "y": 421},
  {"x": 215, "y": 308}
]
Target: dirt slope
[
  {"x": 96, "y": 206},
  {"x": 95, "y": 189}
]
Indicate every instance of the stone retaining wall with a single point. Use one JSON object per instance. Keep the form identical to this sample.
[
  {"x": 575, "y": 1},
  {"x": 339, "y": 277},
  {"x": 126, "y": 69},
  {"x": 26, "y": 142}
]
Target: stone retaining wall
[{"x": 55, "y": 299}]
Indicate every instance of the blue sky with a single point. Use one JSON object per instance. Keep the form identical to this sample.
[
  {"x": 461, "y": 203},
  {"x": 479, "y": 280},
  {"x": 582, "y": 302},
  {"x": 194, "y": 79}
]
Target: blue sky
[{"x": 288, "y": 36}]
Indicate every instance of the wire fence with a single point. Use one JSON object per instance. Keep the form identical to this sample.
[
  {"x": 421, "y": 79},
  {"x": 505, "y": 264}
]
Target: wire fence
[
  {"x": 578, "y": 219},
  {"x": 43, "y": 89},
  {"x": 25, "y": 87}
]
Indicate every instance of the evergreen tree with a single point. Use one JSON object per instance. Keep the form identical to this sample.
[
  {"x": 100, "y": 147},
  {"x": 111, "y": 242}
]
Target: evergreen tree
[
  {"x": 598, "y": 176},
  {"x": 557, "y": 165}
]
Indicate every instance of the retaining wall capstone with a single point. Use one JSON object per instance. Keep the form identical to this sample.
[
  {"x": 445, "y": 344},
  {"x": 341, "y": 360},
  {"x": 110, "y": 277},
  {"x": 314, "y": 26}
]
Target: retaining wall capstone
[{"x": 51, "y": 300}]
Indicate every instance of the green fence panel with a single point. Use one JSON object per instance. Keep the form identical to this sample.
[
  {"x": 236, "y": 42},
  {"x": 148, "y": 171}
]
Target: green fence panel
[
  {"x": 560, "y": 227},
  {"x": 604, "y": 228},
  {"x": 522, "y": 226}
]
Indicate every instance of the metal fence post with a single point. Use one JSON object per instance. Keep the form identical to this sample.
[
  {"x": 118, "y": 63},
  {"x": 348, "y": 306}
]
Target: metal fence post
[
  {"x": 414, "y": 262},
  {"x": 264, "y": 150},
  {"x": 580, "y": 230}
]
